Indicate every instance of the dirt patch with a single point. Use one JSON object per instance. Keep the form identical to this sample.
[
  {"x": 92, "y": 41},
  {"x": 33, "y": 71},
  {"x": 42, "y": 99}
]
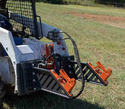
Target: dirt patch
[{"x": 110, "y": 20}]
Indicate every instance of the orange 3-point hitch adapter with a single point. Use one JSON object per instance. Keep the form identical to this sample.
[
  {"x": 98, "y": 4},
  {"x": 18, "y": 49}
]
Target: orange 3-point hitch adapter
[
  {"x": 48, "y": 48},
  {"x": 98, "y": 69},
  {"x": 65, "y": 81}
]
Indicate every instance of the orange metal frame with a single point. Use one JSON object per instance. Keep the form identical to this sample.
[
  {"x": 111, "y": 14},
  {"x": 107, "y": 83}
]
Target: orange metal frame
[
  {"x": 48, "y": 48},
  {"x": 66, "y": 82},
  {"x": 98, "y": 69}
]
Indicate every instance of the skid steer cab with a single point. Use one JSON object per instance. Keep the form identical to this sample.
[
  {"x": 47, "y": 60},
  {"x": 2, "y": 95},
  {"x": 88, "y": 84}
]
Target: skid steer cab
[{"x": 28, "y": 65}]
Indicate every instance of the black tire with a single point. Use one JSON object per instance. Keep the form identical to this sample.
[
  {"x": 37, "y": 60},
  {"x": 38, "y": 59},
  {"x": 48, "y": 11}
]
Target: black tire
[{"x": 2, "y": 93}]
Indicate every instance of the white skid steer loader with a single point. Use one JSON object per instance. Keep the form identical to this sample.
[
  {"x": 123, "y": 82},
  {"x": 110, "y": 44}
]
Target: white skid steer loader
[{"x": 28, "y": 65}]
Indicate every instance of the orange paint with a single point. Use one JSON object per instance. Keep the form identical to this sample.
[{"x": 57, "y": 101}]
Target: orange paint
[
  {"x": 103, "y": 75},
  {"x": 65, "y": 81},
  {"x": 48, "y": 48}
]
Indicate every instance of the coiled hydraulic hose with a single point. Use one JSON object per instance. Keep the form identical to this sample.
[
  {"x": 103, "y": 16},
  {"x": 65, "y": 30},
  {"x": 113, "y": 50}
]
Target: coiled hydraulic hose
[{"x": 78, "y": 63}]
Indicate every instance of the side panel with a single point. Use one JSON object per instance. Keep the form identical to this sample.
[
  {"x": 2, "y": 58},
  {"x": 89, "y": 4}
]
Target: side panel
[
  {"x": 6, "y": 39},
  {"x": 4, "y": 70}
]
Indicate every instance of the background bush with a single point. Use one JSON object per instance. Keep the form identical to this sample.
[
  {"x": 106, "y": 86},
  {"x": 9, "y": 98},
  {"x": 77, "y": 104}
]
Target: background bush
[
  {"x": 82, "y": 2},
  {"x": 118, "y": 1},
  {"x": 62, "y": 1},
  {"x": 52, "y": 1}
]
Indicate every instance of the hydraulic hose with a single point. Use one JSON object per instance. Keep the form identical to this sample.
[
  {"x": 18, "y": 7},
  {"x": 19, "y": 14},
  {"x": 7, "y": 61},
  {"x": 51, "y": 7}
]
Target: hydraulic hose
[{"x": 78, "y": 63}]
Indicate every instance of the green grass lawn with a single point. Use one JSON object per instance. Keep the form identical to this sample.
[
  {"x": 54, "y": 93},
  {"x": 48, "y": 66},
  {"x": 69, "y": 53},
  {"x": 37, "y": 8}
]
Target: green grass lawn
[{"x": 96, "y": 42}]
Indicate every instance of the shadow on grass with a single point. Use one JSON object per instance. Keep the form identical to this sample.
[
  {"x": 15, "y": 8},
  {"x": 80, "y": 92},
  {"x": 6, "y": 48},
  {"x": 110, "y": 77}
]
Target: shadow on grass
[{"x": 43, "y": 100}]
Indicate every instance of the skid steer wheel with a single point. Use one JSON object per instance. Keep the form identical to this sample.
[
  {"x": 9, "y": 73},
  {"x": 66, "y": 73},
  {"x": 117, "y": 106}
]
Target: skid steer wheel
[{"x": 2, "y": 93}]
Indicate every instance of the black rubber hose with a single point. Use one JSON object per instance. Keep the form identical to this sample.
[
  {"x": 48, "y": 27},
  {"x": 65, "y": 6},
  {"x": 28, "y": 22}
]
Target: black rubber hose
[
  {"x": 53, "y": 55},
  {"x": 78, "y": 63}
]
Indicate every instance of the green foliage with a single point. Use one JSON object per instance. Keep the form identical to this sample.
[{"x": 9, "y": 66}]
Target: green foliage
[
  {"x": 79, "y": 2},
  {"x": 63, "y": 1},
  {"x": 75, "y": 1},
  {"x": 118, "y": 1},
  {"x": 52, "y": 1}
]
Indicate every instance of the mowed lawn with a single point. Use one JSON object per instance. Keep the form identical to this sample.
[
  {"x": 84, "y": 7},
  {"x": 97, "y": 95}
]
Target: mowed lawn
[{"x": 100, "y": 36}]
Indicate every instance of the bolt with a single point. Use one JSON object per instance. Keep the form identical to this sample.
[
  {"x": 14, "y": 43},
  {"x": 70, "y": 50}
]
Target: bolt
[
  {"x": 14, "y": 62},
  {"x": 71, "y": 93},
  {"x": 52, "y": 70},
  {"x": 70, "y": 72},
  {"x": 89, "y": 62},
  {"x": 34, "y": 88},
  {"x": 34, "y": 80},
  {"x": 32, "y": 65},
  {"x": 68, "y": 58},
  {"x": 7, "y": 48}
]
